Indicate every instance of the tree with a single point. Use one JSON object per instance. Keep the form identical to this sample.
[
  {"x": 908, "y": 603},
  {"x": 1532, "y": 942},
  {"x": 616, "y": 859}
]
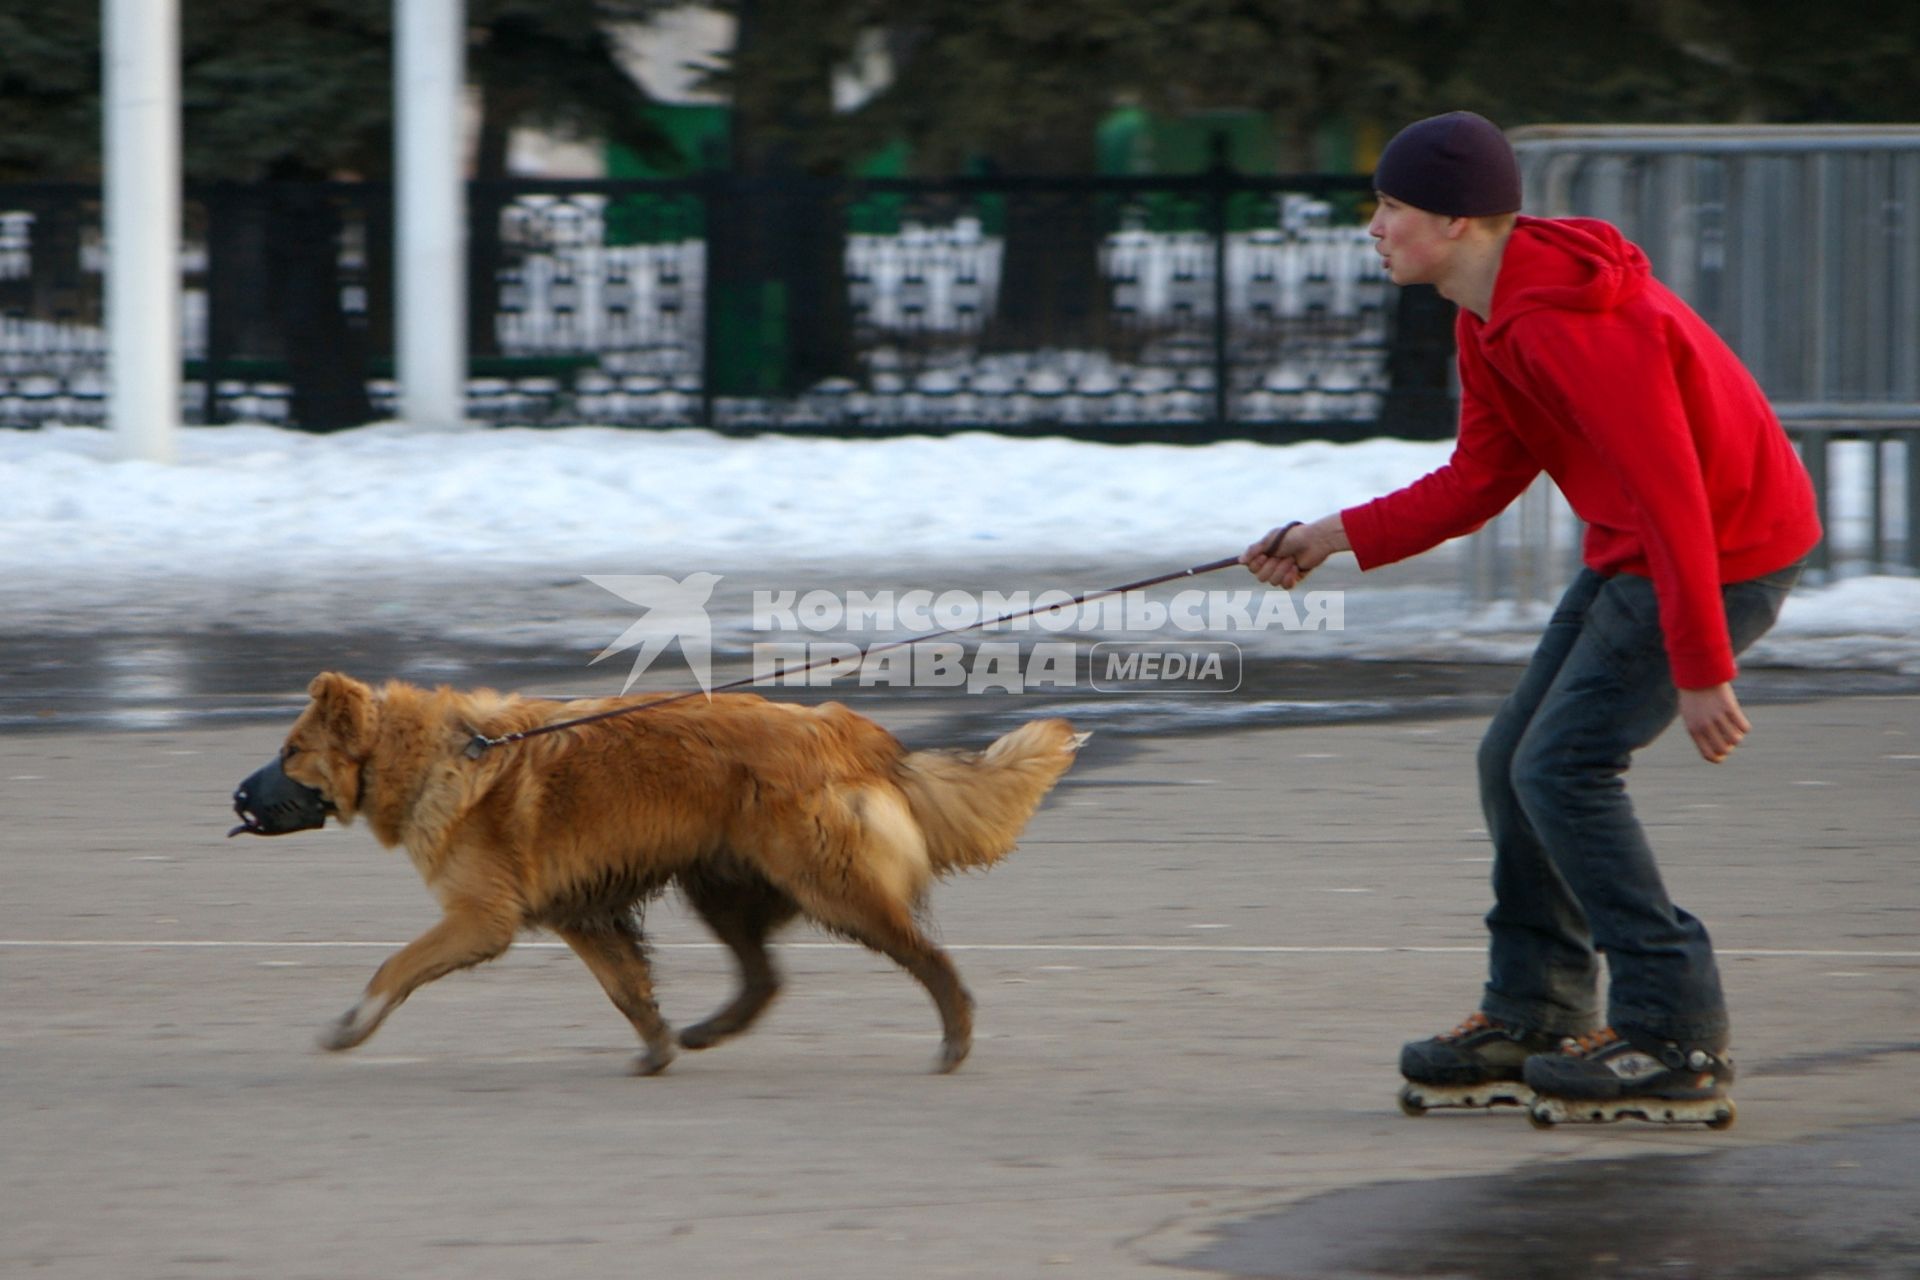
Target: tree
[
  {"x": 1799, "y": 63},
  {"x": 294, "y": 92},
  {"x": 50, "y": 130},
  {"x": 300, "y": 90},
  {"x": 281, "y": 90},
  {"x": 1528, "y": 61},
  {"x": 49, "y": 91},
  {"x": 776, "y": 237},
  {"x": 1022, "y": 86},
  {"x": 548, "y": 64},
  {"x": 303, "y": 92}
]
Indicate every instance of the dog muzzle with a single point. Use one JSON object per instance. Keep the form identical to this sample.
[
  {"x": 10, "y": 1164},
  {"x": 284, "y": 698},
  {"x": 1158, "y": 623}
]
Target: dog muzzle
[{"x": 272, "y": 804}]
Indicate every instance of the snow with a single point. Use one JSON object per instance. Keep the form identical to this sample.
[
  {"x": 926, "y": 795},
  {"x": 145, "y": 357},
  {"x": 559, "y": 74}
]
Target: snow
[
  {"x": 88, "y": 541},
  {"x": 381, "y": 495}
]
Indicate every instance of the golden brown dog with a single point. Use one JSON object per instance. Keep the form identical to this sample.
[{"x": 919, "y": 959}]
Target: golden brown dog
[{"x": 759, "y": 811}]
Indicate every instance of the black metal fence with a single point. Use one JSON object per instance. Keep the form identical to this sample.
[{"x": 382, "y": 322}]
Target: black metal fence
[{"x": 1203, "y": 307}]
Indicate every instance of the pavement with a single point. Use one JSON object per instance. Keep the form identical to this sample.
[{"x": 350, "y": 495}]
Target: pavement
[{"x": 1192, "y": 982}]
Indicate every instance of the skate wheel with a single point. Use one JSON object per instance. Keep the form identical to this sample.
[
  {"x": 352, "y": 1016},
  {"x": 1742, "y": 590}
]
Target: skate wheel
[
  {"x": 1540, "y": 1117},
  {"x": 1411, "y": 1105},
  {"x": 1723, "y": 1118}
]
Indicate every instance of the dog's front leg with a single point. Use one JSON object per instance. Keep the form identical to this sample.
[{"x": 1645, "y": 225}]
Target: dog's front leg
[
  {"x": 459, "y": 941},
  {"x": 612, "y": 948}
]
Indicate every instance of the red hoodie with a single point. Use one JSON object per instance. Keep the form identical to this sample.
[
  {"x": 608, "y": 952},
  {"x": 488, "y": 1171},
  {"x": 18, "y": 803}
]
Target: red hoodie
[{"x": 1591, "y": 370}]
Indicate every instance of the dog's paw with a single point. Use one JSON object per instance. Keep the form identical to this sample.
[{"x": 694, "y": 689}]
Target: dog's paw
[
  {"x": 338, "y": 1035},
  {"x": 952, "y": 1054},
  {"x": 653, "y": 1061},
  {"x": 352, "y": 1027}
]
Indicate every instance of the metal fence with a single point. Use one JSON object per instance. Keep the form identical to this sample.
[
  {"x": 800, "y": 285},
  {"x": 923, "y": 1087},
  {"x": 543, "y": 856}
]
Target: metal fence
[
  {"x": 1211, "y": 306},
  {"x": 1800, "y": 245}
]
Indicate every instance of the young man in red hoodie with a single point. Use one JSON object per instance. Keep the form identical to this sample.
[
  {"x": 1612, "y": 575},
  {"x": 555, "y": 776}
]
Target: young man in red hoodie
[{"x": 1575, "y": 361}]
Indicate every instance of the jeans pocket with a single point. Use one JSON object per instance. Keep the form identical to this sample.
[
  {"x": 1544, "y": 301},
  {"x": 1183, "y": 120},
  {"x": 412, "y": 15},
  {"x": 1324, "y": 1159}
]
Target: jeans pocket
[
  {"x": 1571, "y": 611},
  {"x": 1624, "y": 622},
  {"x": 1754, "y": 606}
]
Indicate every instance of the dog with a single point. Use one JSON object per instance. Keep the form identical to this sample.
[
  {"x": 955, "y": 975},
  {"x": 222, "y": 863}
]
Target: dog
[{"x": 757, "y": 811}]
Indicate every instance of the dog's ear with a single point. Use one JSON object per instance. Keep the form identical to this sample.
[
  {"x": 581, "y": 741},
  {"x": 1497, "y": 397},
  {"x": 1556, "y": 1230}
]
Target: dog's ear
[{"x": 344, "y": 708}]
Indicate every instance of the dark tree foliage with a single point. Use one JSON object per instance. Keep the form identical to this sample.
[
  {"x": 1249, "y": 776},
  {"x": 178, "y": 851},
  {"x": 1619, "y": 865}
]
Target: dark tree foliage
[
  {"x": 49, "y": 89},
  {"x": 302, "y": 89},
  {"x": 1019, "y": 82},
  {"x": 552, "y": 64},
  {"x": 1786, "y": 61},
  {"x": 548, "y": 64},
  {"x": 781, "y": 319},
  {"x": 277, "y": 90},
  {"x": 296, "y": 91},
  {"x": 305, "y": 87}
]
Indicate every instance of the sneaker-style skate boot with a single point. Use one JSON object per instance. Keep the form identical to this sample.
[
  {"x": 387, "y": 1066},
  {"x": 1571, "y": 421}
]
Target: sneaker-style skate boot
[
  {"x": 1479, "y": 1063},
  {"x": 1598, "y": 1078}
]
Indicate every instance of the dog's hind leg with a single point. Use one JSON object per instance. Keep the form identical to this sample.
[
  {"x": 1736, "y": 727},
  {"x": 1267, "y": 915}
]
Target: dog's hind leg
[
  {"x": 461, "y": 940},
  {"x": 870, "y": 918},
  {"x": 913, "y": 951},
  {"x": 611, "y": 946},
  {"x": 743, "y": 909}
]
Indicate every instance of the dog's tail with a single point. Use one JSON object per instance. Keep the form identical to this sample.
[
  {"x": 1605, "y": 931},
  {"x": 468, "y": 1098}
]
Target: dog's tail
[{"x": 972, "y": 805}]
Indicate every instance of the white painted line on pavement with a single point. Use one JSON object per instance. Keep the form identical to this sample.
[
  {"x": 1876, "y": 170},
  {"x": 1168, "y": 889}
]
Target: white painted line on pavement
[
  {"x": 1154, "y": 948},
  {"x": 217, "y": 943}
]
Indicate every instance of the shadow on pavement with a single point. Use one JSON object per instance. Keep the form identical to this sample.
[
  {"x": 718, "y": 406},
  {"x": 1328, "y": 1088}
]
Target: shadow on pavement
[{"x": 1841, "y": 1206}]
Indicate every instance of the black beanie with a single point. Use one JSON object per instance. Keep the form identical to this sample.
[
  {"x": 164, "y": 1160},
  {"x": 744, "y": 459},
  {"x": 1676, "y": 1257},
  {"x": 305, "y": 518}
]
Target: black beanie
[{"x": 1458, "y": 164}]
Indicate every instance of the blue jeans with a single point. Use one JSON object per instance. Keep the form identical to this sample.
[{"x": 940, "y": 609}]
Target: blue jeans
[{"x": 1573, "y": 874}]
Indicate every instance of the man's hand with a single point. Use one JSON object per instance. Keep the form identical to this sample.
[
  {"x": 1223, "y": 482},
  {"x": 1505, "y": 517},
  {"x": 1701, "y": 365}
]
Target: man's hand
[
  {"x": 1714, "y": 720},
  {"x": 1283, "y": 561}
]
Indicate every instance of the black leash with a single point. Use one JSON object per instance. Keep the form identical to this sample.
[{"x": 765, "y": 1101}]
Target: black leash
[{"x": 481, "y": 743}]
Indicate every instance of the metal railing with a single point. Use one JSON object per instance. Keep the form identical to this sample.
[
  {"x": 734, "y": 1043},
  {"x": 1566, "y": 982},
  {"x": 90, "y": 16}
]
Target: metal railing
[
  {"x": 1210, "y": 306},
  {"x": 1800, "y": 245},
  {"x": 1865, "y": 469}
]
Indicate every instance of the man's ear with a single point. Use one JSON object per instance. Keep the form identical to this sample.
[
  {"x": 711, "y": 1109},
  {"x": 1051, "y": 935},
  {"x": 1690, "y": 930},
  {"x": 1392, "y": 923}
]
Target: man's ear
[{"x": 345, "y": 710}]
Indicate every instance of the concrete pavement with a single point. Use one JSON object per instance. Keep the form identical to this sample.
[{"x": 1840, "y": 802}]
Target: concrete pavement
[{"x": 1192, "y": 980}]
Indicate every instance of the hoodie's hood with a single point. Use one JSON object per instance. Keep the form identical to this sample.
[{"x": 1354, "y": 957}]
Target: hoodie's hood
[{"x": 1571, "y": 264}]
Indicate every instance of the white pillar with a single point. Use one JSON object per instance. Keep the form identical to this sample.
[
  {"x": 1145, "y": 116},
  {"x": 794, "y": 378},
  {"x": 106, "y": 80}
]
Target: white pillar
[
  {"x": 141, "y": 190},
  {"x": 430, "y": 241}
]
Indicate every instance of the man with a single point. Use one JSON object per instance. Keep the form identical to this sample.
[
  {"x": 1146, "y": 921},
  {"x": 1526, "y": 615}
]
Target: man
[{"x": 1575, "y": 361}]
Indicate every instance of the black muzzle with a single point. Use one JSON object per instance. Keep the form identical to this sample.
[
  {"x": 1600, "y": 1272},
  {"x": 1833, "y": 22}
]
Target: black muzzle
[{"x": 272, "y": 804}]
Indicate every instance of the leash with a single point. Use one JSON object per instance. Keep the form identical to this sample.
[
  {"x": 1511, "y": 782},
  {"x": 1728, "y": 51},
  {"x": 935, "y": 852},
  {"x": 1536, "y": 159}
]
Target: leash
[{"x": 480, "y": 743}]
